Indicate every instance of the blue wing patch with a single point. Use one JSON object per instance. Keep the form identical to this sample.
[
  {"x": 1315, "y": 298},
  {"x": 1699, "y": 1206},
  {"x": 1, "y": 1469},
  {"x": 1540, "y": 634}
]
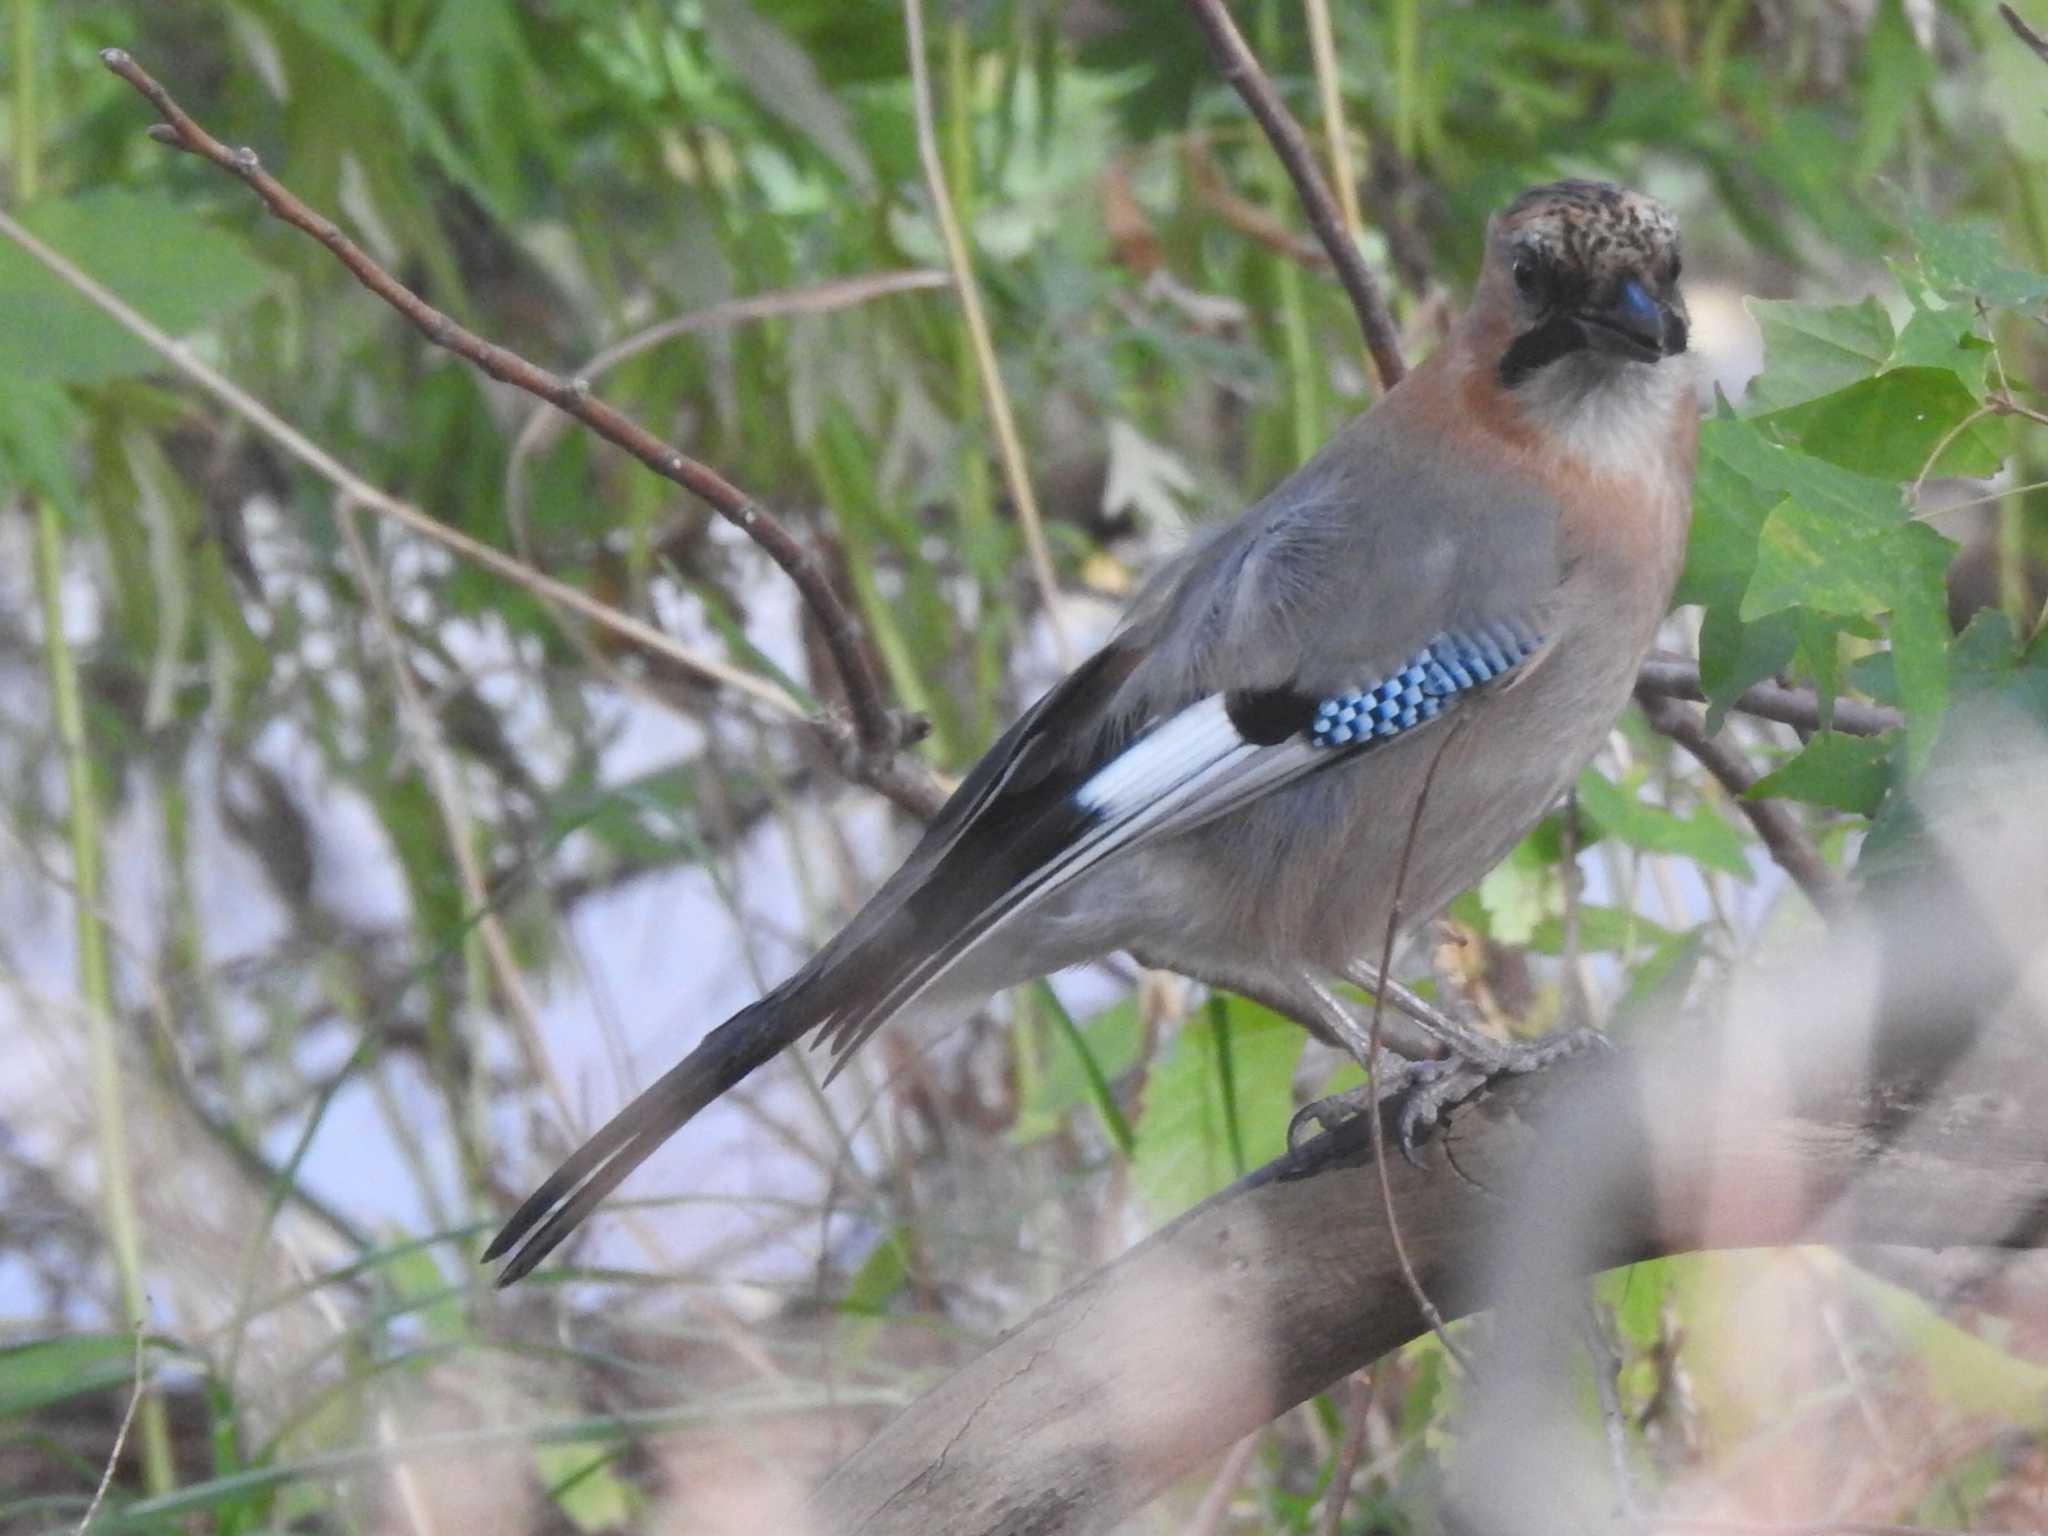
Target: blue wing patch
[{"x": 1454, "y": 662}]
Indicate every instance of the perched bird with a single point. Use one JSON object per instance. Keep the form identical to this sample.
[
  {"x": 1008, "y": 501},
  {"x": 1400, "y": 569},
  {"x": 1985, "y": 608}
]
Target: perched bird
[{"x": 1454, "y": 593}]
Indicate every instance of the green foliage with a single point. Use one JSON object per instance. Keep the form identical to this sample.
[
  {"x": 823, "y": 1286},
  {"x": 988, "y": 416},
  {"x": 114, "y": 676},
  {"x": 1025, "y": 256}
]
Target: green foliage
[
  {"x": 1218, "y": 1104},
  {"x": 560, "y": 176}
]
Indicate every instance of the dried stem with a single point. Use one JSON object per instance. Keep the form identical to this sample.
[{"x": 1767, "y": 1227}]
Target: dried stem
[
  {"x": 1009, "y": 445},
  {"x": 1323, "y": 46},
  {"x": 1238, "y": 66},
  {"x": 135, "y": 1395},
  {"x": 877, "y": 730}
]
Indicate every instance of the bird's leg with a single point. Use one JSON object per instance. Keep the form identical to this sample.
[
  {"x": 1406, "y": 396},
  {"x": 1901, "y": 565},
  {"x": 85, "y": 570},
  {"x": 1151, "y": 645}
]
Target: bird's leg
[
  {"x": 1418, "y": 1088},
  {"x": 1475, "y": 1059},
  {"x": 1302, "y": 997}
]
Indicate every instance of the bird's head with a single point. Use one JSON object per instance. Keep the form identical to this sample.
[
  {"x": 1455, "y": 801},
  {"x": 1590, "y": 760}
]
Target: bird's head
[{"x": 1587, "y": 274}]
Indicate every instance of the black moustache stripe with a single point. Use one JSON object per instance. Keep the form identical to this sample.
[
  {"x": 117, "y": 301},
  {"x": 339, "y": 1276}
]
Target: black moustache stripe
[{"x": 1559, "y": 336}]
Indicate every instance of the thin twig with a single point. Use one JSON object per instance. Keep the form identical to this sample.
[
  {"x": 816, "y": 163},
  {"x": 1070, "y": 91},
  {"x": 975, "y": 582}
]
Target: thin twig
[
  {"x": 2025, "y": 33},
  {"x": 99, "y": 1494},
  {"x": 1605, "y": 1361},
  {"x": 879, "y": 732},
  {"x": 1775, "y": 824},
  {"x": 1357, "y": 1409},
  {"x": 1668, "y": 678},
  {"x": 339, "y": 475},
  {"x": 1379, "y": 1008},
  {"x": 1009, "y": 446},
  {"x": 1241, "y": 69},
  {"x": 1208, "y": 1516}
]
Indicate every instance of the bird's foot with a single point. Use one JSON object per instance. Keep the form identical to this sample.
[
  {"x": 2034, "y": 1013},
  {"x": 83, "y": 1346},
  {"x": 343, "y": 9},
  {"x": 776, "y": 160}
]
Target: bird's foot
[{"x": 1415, "y": 1095}]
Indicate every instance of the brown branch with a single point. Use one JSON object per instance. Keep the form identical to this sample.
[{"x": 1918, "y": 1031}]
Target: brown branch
[
  {"x": 878, "y": 730},
  {"x": 2025, "y": 33},
  {"x": 1758, "y": 1132},
  {"x": 1775, "y": 822},
  {"x": 1668, "y": 678},
  {"x": 1240, "y": 68},
  {"x": 1357, "y": 1411}
]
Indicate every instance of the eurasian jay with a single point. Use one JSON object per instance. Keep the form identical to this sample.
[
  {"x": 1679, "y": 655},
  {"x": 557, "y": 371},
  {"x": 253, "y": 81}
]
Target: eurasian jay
[{"x": 1445, "y": 607}]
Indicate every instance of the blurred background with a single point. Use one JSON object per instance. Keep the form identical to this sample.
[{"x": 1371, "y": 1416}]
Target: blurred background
[{"x": 345, "y": 885}]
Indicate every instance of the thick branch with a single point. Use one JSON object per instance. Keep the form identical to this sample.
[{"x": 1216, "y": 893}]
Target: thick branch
[
  {"x": 1763, "y": 1133},
  {"x": 1235, "y": 60},
  {"x": 879, "y": 732}
]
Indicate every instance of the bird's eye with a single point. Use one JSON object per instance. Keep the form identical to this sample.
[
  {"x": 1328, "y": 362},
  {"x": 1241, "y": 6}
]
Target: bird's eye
[{"x": 1528, "y": 273}]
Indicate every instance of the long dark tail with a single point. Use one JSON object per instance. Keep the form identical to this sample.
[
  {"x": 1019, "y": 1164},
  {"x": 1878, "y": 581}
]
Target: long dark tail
[
  {"x": 945, "y": 900},
  {"x": 747, "y": 1040}
]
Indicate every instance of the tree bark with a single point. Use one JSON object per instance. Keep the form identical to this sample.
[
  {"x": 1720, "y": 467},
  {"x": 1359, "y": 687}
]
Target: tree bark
[{"x": 1856, "y": 1100}]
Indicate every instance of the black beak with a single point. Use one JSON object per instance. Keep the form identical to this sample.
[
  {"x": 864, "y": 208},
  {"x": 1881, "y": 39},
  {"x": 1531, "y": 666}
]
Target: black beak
[{"x": 1634, "y": 324}]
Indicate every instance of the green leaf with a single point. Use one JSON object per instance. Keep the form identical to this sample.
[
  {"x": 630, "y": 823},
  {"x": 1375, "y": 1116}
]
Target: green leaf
[
  {"x": 783, "y": 79},
  {"x": 585, "y": 1485},
  {"x": 1964, "y": 259},
  {"x": 1744, "y": 475},
  {"x": 1812, "y": 350},
  {"x": 46, "y": 1371},
  {"x": 1515, "y": 894},
  {"x": 1602, "y": 929},
  {"x": 1849, "y": 773},
  {"x": 1817, "y": 558},
  {"x": 1734, "y": 654},
  {"x": 341, "y": 36},
  {"x": 1660, "y": 983},
  {"x": 1086, "y": 1059},
  {"x": 1637, "y": 1293},
  {"x": 1703, "y": 836},
  {"x": 39, "y": 432},
  {"x": 125, "y": 240},
  {"x": 1894, "y": 424},
  {"x": 1944, "y": 338},
  {"x": 416, "y": 1278},
  {"x": 880, "y": 1276},
  {"x": 1184, "y": 1136},
  {"x": 1961, "y": 1368},
  {"x": 495, "y": 86}
]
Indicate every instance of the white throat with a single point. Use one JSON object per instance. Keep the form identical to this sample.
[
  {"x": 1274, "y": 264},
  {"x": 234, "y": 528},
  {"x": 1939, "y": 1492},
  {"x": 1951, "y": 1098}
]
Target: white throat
[{"x": 1612, "y": 416}]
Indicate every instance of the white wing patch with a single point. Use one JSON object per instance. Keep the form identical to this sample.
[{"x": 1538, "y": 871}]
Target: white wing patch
[{"x": 1187, "y": 744}]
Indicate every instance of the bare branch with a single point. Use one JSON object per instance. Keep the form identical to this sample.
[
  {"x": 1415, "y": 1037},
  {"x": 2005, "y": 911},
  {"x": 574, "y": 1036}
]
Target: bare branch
[
  {"x": 1238, "y": 66},
  {"x": 879, "y": 731},
  {"x": 1775, "y": 823},
  {"x": 1758, "y": 1132},
  {"x": 1668, "y": 678},
  {"x": 2025, "y": 33}
]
